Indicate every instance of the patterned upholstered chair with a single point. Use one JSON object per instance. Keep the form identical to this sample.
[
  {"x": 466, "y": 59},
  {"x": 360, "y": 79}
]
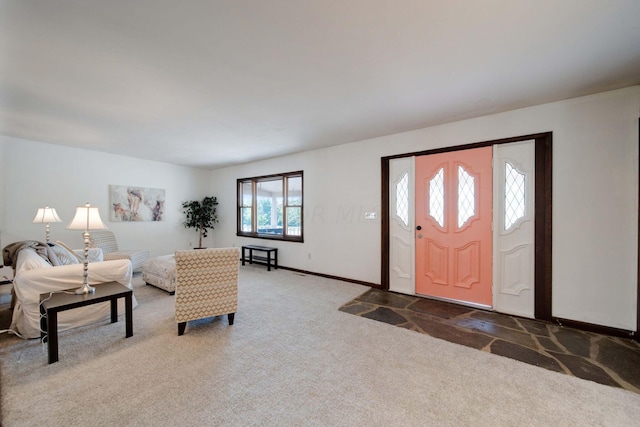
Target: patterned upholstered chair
[
  {"x": 206, "y": 284},
  {"x": 105, "y": 240}
]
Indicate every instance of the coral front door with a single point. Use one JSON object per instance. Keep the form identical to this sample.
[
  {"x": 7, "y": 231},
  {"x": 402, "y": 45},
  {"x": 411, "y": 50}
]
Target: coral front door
[{"x": 453, "y": 225}]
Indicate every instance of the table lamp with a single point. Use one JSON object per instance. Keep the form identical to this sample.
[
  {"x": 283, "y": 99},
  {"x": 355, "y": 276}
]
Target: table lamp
[
  {"x": 46, "y": 215},
  {"x": 87, "y": 218}
]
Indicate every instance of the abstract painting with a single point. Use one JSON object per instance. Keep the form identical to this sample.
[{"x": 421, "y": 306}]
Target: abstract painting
[{"x": 129, "y": 203}]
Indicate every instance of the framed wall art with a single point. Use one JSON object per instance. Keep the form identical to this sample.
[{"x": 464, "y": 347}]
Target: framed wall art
[{"x": 128, "y": 203}]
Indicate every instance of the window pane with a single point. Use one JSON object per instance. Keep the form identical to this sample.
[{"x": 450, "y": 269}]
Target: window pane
[
  {"x": 294, "y": 221},
  {"x": 514, "y": 197},
  {"x": 436, "y": 197},
  {"x": 269, "y": 206},
  {"x": 402, "y": 199},
  {"x": 246, "y": 219},
  {"x": 466, "y": 196},
  {"x": 294, "y": 191},
  {"x": 263, "y": 206},
  {"x": 245, "y": 193}
]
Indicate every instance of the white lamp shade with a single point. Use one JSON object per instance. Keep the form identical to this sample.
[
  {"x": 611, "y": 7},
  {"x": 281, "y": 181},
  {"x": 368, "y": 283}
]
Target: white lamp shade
[
  {"x": 46, "y": 215},
  {"x": 87, "y": 218}
]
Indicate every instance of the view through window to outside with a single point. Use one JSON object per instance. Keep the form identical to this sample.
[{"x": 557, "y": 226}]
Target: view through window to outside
[{"x": 271, "y": 206}]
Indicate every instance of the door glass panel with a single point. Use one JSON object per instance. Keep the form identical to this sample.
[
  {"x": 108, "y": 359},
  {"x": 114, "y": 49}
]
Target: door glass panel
[
  {"x": 402, "y": 199},
  {"x": 436, "y": 197},
  {"x": 514, "y": 197},
  {"x": 466, "y": 196}
]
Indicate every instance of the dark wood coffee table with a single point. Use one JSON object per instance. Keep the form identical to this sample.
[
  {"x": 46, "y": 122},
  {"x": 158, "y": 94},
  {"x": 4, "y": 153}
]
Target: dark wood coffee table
[{"x": 51, "y": 305}]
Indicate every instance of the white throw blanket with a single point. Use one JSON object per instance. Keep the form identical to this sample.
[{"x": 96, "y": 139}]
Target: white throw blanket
[{"x": 11, "y": 251}]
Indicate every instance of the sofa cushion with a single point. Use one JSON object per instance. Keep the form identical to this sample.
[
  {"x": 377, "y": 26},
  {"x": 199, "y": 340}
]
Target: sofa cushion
[
  {"x": 71, "y": 251},
  {"x": 64, "y": 256}
]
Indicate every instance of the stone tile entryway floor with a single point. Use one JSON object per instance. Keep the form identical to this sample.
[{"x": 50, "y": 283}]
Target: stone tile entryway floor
[{"x": 607, "y": 360}]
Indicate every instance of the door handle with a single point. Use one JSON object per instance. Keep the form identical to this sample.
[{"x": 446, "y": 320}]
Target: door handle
[
  {"x": 420, "y": 236},
  {"x": 419, "y": 228}
]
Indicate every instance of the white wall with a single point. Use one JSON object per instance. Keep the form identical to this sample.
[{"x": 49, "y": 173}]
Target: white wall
[
  {"x": 595, "y": 200},
  {"x": 3, "y": 209},
  {"x": 3, "y": 190},
  {"x": 39, "y": 174},
  {"x": 334, "y": 227}
]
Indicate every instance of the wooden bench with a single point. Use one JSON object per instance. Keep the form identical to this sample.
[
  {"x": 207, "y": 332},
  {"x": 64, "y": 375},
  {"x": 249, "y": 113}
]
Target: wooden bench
[{"x": 268, "y": 259}]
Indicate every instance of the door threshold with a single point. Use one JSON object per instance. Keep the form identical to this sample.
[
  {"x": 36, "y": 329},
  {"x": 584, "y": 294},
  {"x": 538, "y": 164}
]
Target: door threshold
[{"x": 458, "y": 302}]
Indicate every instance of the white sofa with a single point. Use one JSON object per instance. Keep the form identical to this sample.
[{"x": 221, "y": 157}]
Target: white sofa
[{"x": 34, "y": 276}]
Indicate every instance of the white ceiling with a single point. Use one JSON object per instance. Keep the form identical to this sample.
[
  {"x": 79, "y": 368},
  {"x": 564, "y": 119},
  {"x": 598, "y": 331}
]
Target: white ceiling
[{"x": 210, "y": 83}]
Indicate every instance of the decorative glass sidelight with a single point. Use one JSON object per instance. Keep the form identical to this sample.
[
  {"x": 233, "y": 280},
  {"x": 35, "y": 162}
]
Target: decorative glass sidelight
[
  {"x": 402, "y": 199},
  {"x": 436, "y": 197},
  {"x": 466, "y": 196},
  {"x": 514, "y": 197}
]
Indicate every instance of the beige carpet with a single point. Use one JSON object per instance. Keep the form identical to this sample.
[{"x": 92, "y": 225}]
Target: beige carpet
[{"x": 291, "y": 359}]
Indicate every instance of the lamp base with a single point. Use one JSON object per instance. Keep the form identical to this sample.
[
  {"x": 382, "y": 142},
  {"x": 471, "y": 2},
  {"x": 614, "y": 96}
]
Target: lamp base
[{"x": 85, "y": 289}]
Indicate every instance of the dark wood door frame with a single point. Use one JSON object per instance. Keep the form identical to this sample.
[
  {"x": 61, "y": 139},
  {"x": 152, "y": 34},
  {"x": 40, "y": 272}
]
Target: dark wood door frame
[{"x": 542, "y": 221}]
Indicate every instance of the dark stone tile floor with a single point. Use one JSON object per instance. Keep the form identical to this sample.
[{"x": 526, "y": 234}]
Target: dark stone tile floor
[{"x": 604, "y": 359}]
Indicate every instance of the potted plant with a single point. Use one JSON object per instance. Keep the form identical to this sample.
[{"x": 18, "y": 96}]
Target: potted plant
[{"x": 201, "y": 216}]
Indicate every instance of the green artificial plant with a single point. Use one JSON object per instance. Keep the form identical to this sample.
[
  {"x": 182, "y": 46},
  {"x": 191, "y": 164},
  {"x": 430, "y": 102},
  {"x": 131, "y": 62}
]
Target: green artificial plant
[{"x": 201, "y": 215}]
